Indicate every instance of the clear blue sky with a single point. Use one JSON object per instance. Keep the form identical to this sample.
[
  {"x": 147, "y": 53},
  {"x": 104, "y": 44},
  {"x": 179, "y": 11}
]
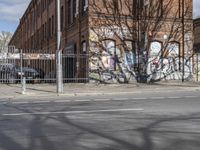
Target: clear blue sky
[{"x": 12, "y": 10}]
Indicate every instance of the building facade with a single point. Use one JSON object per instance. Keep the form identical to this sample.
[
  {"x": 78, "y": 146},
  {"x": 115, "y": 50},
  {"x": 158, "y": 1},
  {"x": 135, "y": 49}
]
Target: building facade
[
  {"x": 37, "y": 32},
  {"x": 125, "y": 39}
]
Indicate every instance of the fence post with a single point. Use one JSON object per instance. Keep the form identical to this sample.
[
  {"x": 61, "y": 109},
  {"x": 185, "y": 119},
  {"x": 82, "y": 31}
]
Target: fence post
[
  {"x": 23, "y": 79},
  {"x": 24, "y": 85},
  {"x": 21, "y": 63}
]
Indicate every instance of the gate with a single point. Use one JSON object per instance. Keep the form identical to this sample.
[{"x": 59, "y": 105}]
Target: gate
[{"x": 75, "y": 68}]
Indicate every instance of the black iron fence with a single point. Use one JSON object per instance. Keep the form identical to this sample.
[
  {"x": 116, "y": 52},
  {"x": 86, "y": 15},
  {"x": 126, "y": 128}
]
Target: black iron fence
[
  {"x": 75, "y": 68},
  {"x": 82, "y": 68},
  {"x": 41, "y": 68}
]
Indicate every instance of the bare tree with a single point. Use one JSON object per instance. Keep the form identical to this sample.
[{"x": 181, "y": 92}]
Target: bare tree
[
  {"x": 4, "y": 40},
  {"x": 140, "y": 38}
]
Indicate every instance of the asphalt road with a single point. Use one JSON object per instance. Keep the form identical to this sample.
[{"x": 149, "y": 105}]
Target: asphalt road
[{"x": 157, "y": 119}]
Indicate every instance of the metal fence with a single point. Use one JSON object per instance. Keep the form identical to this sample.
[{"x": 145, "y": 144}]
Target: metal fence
[
  {"x": 41, "y": 68},
  {"x": 75, "y": 68}
]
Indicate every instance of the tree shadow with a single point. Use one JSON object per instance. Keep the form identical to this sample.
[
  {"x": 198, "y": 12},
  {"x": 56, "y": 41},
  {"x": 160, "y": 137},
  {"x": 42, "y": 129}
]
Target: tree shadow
[
  {"x": 36, "y": 134},
  {"x": 146, "y": 133}
]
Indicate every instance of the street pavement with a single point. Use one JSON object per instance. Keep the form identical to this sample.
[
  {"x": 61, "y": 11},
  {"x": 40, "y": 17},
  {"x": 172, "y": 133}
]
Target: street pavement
[
  {"x": 155, "y": 118},
  {"x": 38, "y": 91}
]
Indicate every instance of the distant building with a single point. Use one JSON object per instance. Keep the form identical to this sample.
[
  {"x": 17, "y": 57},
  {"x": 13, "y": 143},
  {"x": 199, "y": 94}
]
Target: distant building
[{"x": 116, "y": 34}]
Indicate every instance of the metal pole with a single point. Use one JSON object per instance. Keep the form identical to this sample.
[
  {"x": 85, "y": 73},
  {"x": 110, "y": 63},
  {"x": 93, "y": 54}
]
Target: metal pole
[
  {"x": 21, "y": 63},
  {"x": 24, "y": 85},
  {"x": 183, "y": 41},
  {"x": 138, "y": 37},
  {"x": 59, "y": 53},
  {"x": 23, "y": 79}
]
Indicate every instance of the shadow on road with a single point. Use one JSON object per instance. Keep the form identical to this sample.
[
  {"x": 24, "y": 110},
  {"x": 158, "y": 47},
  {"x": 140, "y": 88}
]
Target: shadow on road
[{"x": 158, "y": 133}]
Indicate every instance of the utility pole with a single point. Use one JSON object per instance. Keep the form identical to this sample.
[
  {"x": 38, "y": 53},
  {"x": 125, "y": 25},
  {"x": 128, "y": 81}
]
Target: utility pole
[
  {"x": 59, "y": 79},
  {"x": 183, "y": 40}
]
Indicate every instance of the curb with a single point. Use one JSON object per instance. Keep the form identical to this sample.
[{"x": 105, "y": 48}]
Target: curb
[
  {"x": 131, "y": 90},
  {"x": 35, "y": 96}
]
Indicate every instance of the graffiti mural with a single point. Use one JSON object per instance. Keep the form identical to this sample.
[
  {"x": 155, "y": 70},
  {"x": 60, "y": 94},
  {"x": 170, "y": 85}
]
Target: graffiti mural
[
  {"x": 167, "y": 64},
  {"x": 112, "y": 61},
  {"x": 103, "y": 70}
]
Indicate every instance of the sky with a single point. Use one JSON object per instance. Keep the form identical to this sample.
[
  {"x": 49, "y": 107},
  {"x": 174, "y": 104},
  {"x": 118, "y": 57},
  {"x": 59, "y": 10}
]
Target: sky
[
  {"x": 12, "y": 10},
  {"x": 10, "y": 13}
]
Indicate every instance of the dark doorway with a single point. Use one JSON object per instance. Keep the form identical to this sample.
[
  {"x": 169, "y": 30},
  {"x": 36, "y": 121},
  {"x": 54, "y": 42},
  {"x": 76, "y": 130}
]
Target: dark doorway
[{"x": 69, "y": 68}]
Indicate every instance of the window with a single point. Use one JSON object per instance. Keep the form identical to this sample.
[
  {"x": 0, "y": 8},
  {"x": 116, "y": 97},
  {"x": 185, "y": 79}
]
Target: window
[
  {"x": 45, "y": 4},
  {"x": 45, "y": 30},
  {"x": 84, "y": 47},
  {"x": 32, "y": 42},
  {"x": 49, "y": 2},
  {"x": 84, "y": 6},
  {"x": 130, "y": 54},
  {"x": 52, "y": 19},
  {"x": 111, "y": 54},
  {"x": 171, "y": 8},
  {"x": 38, "y": 37},
  {"x": 173, "y": 49},
  {"x": 49, "y": 27},
  {"x": 70, "y": 11},
  {"x": 156, "y": 8},
  {"x": 62, "y": 17},
  {"x": 76, "y": 8},
  {"x": 187, "y": 9},
  {"x": 116, "y": 6},
  {"x": 161, "y": 8},
  {"x": 134, "y": 8},
  {"x": 155, "y": 49},
  {"x": 32, "y": 19}
]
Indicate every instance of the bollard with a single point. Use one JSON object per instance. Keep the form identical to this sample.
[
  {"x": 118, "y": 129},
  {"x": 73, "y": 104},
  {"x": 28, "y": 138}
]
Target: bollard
[{"x": 23, "y": 85}]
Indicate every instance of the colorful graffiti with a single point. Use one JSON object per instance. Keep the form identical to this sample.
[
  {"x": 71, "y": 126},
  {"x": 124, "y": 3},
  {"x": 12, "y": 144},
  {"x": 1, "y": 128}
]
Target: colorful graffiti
[
  {"x": 168, "y": 65},
  {"x": 111, "y": 62},
  {"x": 112, "y": 65},
  {"x": 123, "y": 74},
  {"x": 170, "y": 68}
]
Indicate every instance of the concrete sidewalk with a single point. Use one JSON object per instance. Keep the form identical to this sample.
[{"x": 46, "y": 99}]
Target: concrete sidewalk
[
  {"x": 14, "y": 91},
  {"x": 49, "y": 90}
]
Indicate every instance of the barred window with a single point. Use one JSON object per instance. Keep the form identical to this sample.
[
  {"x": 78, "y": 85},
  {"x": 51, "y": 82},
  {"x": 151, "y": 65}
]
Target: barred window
[{"x": 71, "y": 11}]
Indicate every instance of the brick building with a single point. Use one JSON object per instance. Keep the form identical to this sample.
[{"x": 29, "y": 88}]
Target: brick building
[
  {"x": 36, "y": 32},
  {"x": 37, "y": 27},
  {"x": 118, "y": 35}
]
